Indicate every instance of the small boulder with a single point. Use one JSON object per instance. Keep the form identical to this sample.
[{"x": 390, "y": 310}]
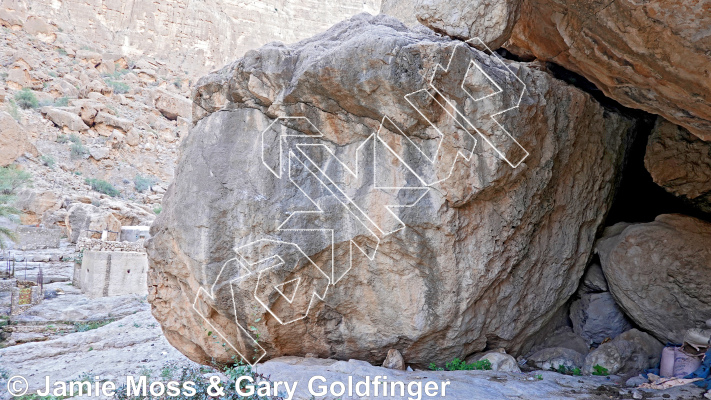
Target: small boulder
[
  {"x": 394, "y": 360},
  {"x": 133, "y": 137},
  {"x": 630, "y": 352},
  {"x": 64, "y": 119},
  {"x": 596, "y": 317},
  {"x": 554, "y": 357},
  {"x": 172, "y": 106},
  {"x": 99, "y": 153},
  {"x": 89, "y": 57},
  {"x": 112, "y": 121},
  {"x": 636, "y": 381},
  {"x": 500, "y": 361},
  {"x": 594, "y": 280}
]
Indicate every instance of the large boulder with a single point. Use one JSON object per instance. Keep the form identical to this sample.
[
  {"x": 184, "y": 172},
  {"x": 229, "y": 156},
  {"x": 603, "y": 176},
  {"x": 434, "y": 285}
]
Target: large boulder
[
  {"x": 659, "y": 273},
  {"x": 648, "y": 55},
  {"x": 680, "y": 163},
  {"x": 13, "y": 141},
  {"x": 486, "y": 257},
  {"x": 631, "y": 352}
]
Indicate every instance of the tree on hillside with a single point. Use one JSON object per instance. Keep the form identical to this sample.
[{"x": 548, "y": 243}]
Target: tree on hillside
[{"x": 11, "y": 180}]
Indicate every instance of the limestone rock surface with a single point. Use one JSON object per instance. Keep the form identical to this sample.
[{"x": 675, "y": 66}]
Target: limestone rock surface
[
  {"x": 658, "y": 273},
  {"x": 129, "y": 346},
  {"x": 680, "y": 163},
  {"x": 484, "y": 260},
  {"x": 13, "y": 143},
  {"x": 650, "y": 55}
]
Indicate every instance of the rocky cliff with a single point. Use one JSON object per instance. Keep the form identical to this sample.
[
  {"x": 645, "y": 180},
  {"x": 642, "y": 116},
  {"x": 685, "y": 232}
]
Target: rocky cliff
[{"x": 196, "y": 36}]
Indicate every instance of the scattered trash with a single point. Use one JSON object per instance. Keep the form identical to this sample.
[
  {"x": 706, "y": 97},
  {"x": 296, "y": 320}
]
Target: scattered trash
[{"x": 666, "y": 383}]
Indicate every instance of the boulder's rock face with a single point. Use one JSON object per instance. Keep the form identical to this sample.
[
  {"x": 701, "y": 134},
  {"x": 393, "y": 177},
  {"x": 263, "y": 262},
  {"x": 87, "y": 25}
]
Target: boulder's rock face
[
  {"x": 658, "y": 273},
  {"x": 485, "y": 258},
  {"x": 648, "y": 55},
  {"x": 491, "y": 21},
  {"x": 680, "y": 163},
  {"x": 13, "y": 142},
  {"x": 632, "y": 351},
  {"x": 597, "y": 317}
]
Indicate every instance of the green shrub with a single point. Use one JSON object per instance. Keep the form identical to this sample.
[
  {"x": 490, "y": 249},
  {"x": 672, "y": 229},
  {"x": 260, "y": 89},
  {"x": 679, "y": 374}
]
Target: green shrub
[
  {"x": 48, "y": 161},
  {"x": 118, "y": 87},
  {"x": 26, "y": 99},
  {"x": 460, "y": 365},
  {"x": 87, "y": 326},
  {"x": 118, "y": 72},
  {"x": 62, "y": 139},
  {"x": 61, "y": 51},
  {"x": 599, "y": 370},
  {"x": 13, "y": 110},
  {"x": 79, "y": 151},
  {"x": 60, "y": 102},
  {"x": 102, "y": 186},
  {"x": 562, "y": 369},
  {"x": 158, "y": 210},
  {"x": 12, "y": 179},
  {"x": 74, "y": 138},
  {"x": 143, "y": 183}
]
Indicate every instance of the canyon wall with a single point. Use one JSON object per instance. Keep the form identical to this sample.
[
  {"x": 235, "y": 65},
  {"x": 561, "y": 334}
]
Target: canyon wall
[{"x": 198, "y": 36}]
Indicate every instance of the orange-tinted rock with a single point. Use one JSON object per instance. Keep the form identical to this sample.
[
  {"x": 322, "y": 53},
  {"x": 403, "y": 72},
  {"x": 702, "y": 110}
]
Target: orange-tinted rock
[{"x": 652, "y": 55}]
